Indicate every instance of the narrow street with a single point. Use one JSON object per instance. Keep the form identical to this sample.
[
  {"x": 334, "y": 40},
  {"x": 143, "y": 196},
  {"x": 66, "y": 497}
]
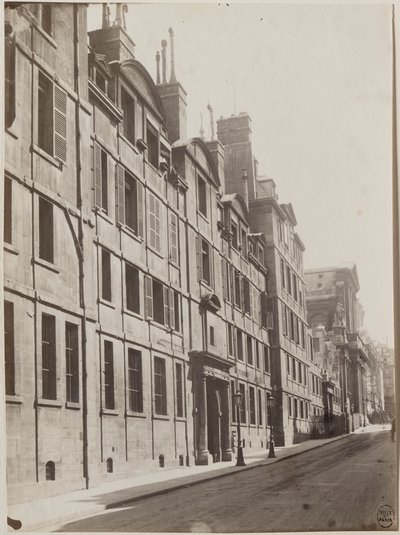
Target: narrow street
[{"x": 340, "y": 486}]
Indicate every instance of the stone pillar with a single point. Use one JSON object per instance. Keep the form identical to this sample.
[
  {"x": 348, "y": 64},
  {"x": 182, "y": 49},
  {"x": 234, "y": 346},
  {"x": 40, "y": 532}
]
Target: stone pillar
[
  {"x": 204, "y": 456},
  {"x": 225, "y": 424}
]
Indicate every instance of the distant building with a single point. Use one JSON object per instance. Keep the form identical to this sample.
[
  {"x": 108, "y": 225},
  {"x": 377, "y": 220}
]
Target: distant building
[{"x": 386, "y": 355}]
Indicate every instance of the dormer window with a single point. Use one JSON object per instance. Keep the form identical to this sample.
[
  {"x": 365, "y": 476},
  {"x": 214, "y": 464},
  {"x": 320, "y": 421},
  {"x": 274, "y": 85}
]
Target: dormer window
[
  {"x": 152, "y": 143},
  {"x": 202, "y": 195},
  {"x": 234, "y": 231},
  {"x": 128, "y": 122},
  {"x": 261, "y": 254}
]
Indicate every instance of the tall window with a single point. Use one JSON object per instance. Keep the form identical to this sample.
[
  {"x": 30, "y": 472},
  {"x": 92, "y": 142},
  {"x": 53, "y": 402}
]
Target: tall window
[
  {"x": 230, "y": 340},
  {"x": 46, "y": 236},
  {"x": 152, "y": 143},
  {"x": 282, "y": 273},
  {"x": 135, "y": 380},
  {"x": 233, "y": 404},
  {"x": 128, "y": 108},
  {"x": 100, "y": 180},
  {"x": 294, "y": 369},
  {"x": 239, "y": 344},
  {"x": 260, "y": 412},
  {"x": 160, "y": 386},
  {"x": 109, "y": 394},
  {"x": 252, "y": 405},
  {"x": 243, "y": 240},
  {"x": 72, "y": 362},
  {"x": 7, "y": 210},
  {"x": 205, "y": 259},
  {"x": 288, "y": 280},
  {"x": 246, "y": 295},
  {"x": 9, "y": 81},
  {"x": 284, "y": 319},
  {"x": 42, "y": 13},
  {"x": 106, "y": 275},
  {"x": 257, "y": 354},
  {"x": 237, "y": 288},
  {"x": 267, "y": 360},
  {"x": 179, "y": 389},
  {"x": 162, "y": 304},
  {"x": 234, "y": 230},
  {"x": 129, "y": 201},
  {"x": 202, "y": 195},
  {"x": 132, "y": 288},
  {"x": 250, "y": 350},
  {"x": 173, "y": 236},
  {"x": 300, "y": 372},
  {"x": 243, "y": 406},
  {"x": 154, "y": 222},
  {"x": 52, "y": 118},
  {"x": 9, "y": 354},
  {"x": 49, "y": 370}
]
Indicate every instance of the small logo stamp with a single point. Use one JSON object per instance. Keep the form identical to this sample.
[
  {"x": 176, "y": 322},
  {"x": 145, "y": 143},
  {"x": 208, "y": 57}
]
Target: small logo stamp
[{"x": 385, "y": 516}]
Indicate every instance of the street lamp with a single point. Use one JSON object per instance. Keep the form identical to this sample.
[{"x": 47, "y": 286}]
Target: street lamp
[
  {"x": 364, "y": 410},
  {"x": 270, "y": 405},
  {"x": 238, "y": 402},
  {"x": 352, "y": 417}
]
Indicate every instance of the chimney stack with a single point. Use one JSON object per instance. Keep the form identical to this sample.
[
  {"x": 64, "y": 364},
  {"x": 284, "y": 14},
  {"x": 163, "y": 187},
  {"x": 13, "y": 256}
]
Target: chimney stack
[
  {"x": 172, "y": 78},
  {"x": 158, "y": 67},
  {"x": 245, "y": 180},
  {"x": 164, "y": 60},
  {"x": 211, "y": 121},
  {"x": 106, "y": 16},
  {"x": 118, "y": 15}
]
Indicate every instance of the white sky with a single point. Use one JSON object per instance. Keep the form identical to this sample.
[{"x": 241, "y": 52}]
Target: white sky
[{"x": 316, "y": 81}]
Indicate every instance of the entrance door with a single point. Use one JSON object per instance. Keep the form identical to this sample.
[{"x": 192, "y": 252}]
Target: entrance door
[{"x": 214, "y": 420}]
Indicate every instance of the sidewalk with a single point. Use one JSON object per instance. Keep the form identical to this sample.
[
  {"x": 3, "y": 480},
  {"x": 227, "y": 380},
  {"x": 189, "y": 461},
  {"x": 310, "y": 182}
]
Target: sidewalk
[{"x": 51, "y": 513}]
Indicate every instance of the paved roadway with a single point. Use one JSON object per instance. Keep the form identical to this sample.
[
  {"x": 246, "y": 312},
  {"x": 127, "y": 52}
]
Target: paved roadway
[{"x": 336, "y": 487}]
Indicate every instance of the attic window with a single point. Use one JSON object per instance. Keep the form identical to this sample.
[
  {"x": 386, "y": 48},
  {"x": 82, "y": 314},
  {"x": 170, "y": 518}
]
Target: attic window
[
  {"x": 128, "y": 107},
  {"x": 101, "y": 82},
  {"x": 152, "y": 142}
]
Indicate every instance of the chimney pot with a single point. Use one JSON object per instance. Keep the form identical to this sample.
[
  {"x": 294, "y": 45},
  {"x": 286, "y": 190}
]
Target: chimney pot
[
  {"x": 172, "y": 78},
  {"x": 158, "y": 66},
  {"x": 164, "y": 60}
]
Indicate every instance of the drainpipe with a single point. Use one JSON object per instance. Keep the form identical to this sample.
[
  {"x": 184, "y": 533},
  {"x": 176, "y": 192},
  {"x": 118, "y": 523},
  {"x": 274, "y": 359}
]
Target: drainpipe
[{"x": 80, "y": 250}]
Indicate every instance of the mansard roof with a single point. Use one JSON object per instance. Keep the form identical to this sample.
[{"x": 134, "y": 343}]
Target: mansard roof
[
  {"x": 199, "y": 151},
  {"x": 144, "y": 84}
]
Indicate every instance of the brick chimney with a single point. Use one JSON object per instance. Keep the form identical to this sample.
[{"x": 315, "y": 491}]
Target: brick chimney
[
  {"x": 235, "y": 134},
  {"x": 173, "y": 97},
  {"x": 217, "y": 153}
]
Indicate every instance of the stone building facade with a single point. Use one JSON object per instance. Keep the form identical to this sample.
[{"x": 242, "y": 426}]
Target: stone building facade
[{"x": 135, "y": 286}]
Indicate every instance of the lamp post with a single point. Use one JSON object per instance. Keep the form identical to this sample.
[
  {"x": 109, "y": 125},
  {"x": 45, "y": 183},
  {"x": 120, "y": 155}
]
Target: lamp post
[
  {"x": 352, "y": 417},
  {"x": 270, "y": 405},
  {"x": 238, "y": 403},
  {"x": 364, "y": 410}
]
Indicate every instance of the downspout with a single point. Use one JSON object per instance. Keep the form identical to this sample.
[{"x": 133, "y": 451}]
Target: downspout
[{"x": 81, "y": 249}]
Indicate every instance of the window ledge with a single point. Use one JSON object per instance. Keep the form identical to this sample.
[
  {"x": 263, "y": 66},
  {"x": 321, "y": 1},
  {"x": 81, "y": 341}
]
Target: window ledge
[
  {"x": 202, "y": 216},
  {"x": 101, "y": 213},
  {"x": 44, "y": 34},
  {"x": 175, "y": 264},
  {"x": 161, "y": 417},
  {"x": 109, "y": 412},
  {"x": 49, "y": 403},
  {"x": 129, "y": 232},
  {"x": 129, "y": 143},
  {"x": 180, "y": 419},
  {"x": 10, "y": 248},
  {"x": 106, "y": 303},
  {"x": 72, "y": 405},
  {"x": 46, "y": 264},
  {"x": 132, "y": 414},
  {"x": 155, "y": 251},
  {"x": 46, "y": 156},
  {"x": 153, "y": 167},
  {"x": 14, "y": 398},
  {"x": 131, "y": 313},
  {"x": 11, "y": 131}
]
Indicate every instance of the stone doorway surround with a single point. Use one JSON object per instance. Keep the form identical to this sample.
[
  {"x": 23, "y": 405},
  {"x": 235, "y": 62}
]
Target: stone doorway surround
[{"x": 211, "y": 392}]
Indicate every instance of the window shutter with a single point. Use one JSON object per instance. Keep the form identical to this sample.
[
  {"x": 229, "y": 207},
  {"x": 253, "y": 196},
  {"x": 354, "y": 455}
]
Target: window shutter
[
  {"x": 152, "y": 222},
  {"x": 270, "y": 321},
  {"x": 60, "y": 123},
  {"x": 211, "y": 260},
  {"x": 224, "y": 281},
  {"x": 148, "y": 288},
  {"x": 171, "y": 309},
  {"x": 97, "y": 176},
  {"x": 139, "y": 187},
  {"x": 120, "y": 194},
  {"x": 157, "y": 225},
  {"x": 174, "y": 239},
  {"x": 166, "y": 305},
  {"x": 199, "y": 259}
]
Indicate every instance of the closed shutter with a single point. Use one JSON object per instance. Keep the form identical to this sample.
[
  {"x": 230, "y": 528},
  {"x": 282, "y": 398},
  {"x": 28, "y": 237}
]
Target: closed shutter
[
  {"x": 148, "y": 289},
  {"x": 223, "y": 276},
  {"x": 283, "y": 318},
  {"x": 152, "y": 222},
  {"x": 139, "y": 208},
  {"x": 166, "y": 305},
  {"x": 171, "y": 309},
  {"x": 60, "y": 123},
  {"x": 199, "y": 259},
  {"x": 120, "y": 182},
  {"x": 97, "y": 176},
  {"x": 174, "y": 239},
  {"x": 211, "y": 260}
]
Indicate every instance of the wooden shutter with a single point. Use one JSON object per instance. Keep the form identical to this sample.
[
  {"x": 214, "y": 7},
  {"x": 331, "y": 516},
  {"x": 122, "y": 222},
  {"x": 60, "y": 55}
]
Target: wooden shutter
[
  {"x": 166, "y": 305},
  {"x": 97, "y": 175},
  {"x": 223, "y": 276},
  {"x": 60, "y": 123},
  {"x": 120, "y": 183},
  {"x": 171, "y": 309},
  {"x": 199, "y": 259},
  {"x": 174, "y": 239},
  {"x": 148, "y": 289},
  {"x": 139, "y": 208},
  {"x": 211, "y": 260}
]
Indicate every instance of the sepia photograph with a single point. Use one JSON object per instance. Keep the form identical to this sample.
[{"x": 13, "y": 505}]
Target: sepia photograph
[{"x": 200, "y": 320}]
